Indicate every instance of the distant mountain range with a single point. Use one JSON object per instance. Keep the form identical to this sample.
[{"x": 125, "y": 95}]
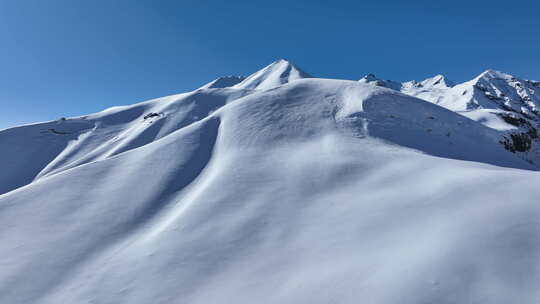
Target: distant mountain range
[{"x": 499, "y": 101}]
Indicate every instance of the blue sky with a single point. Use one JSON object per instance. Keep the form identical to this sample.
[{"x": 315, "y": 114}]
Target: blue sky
[{"x": 72, "y": 57}]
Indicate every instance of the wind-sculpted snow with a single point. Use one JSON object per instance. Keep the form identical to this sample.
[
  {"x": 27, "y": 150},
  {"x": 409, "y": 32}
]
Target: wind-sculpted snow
[
  {"x": 29, "y": 149},
  {"x": 57, "y": 146},
  {"x": 315, "y": 191},
  {"x": 64, "y": 221}
]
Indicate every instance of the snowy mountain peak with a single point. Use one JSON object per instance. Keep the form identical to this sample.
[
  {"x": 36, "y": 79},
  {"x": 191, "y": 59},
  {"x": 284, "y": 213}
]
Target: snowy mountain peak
[
  {"x": 275, "y": 74},
  {"x": 374, "y": 80},
  {"x": 495, "y": 89},
  {"x": 223, "y": 82},
  {"x": 491, "y": 74},
  {"x": 438, "y": 81}
]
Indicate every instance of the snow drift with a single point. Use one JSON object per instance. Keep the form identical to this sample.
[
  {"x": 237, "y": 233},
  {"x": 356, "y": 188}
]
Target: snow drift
[{"x": 311, "y": 191}]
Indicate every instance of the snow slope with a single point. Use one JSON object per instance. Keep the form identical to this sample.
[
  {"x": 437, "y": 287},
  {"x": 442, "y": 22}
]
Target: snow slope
[
  {"x": 80, "y": 140},
  {"x": 63, "y": 144},
  {"x": 315, "y": 191}
]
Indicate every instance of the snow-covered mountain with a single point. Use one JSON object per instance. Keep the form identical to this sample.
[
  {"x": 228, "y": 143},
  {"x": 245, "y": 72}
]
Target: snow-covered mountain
[
  {"x": 500, "y": 101},
  {"x": 280, "y": 188}
]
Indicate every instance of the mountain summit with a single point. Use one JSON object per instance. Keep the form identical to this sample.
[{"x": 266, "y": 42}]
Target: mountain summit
[{"x": 277, "y": 73}]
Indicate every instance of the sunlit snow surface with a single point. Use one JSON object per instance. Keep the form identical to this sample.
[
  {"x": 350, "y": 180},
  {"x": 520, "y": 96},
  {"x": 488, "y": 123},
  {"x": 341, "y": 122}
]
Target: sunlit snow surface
[{"x": 315, "y": 191}]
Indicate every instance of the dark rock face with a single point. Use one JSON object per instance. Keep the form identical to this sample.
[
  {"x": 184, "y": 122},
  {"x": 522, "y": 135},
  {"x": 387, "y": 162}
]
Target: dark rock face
[
  {"x": 517, "y": 142},
  {"x": 150, "y": 115},
  {"x": 514, "y": 120}
]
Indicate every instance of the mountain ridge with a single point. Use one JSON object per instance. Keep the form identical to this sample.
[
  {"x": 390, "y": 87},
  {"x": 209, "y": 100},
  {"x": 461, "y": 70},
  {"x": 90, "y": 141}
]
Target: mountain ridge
[{"x": 499, "y": 100}]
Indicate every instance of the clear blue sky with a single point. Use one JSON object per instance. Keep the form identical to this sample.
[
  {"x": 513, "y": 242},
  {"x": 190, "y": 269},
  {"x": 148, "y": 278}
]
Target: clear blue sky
[{"x": 73, "y": 57}]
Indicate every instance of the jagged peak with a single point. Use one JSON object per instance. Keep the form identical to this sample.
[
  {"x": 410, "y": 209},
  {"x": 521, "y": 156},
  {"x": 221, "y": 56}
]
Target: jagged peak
[{"x": 285, "y": 63}]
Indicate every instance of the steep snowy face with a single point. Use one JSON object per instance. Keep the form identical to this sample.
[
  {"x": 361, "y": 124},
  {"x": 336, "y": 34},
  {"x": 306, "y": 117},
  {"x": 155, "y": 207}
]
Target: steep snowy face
[
  {"x": 495, "y": 90},
  {"x": 274, "y": 75},
  {"x": 223, "y": 82},
  {"x": 508, "y": 92},
  {"x": 317, "y": 191}
]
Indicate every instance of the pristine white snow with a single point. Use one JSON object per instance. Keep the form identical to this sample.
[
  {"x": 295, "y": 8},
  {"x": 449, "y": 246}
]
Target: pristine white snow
[{"x": 314, "y": 191}]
